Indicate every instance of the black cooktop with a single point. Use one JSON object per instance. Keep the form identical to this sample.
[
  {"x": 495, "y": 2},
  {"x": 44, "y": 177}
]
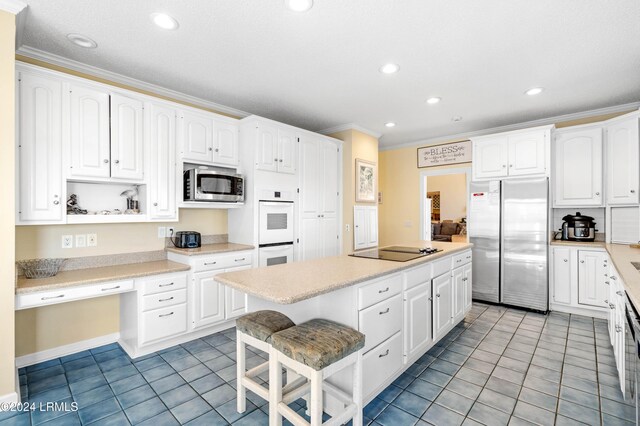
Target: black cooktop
[{"x": 396, "y": 253}]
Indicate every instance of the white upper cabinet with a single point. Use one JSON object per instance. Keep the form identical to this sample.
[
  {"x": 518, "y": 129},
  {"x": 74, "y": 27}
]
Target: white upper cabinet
[
  {"x": 512, "y": 154},
  {"x": 40, "y": 194},
  {"x": 287, "y": 142},
  {"x": 89, "y": 137},
  {"x": 365, "y": 227},
  {"x": 161, "y": 134},
  {"x": 623, "y": 161},
  {"x": 196, "y": 136},
  {"x": 127, "y": 144},
  {"x": 578, "y": 168},
  {"x": 276, "y": 149},
  {"x": 225, "y": 143}
]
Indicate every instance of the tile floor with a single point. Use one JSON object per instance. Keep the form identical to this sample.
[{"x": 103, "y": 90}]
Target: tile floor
[{"x": 500, "y": 366}]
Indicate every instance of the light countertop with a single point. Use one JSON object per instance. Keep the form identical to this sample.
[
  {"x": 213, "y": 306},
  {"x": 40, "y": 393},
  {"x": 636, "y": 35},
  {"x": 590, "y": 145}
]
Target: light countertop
[
  {"x": 86, "y": 276},
  {"x": 622, "y": 255},
  {"x": 294, "y": 282},
  {"x": 210, "y": 249},
  {"x": 598, "y": 244}
]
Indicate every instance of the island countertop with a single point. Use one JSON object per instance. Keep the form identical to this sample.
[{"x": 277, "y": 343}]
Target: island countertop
[
  {"x": 294, "y": 282},
  {"x": 622, "y": 255}
]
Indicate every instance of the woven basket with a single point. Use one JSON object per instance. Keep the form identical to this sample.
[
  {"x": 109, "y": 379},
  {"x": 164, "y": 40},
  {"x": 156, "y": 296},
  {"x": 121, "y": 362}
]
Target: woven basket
[{"x": 40, "y": 268}]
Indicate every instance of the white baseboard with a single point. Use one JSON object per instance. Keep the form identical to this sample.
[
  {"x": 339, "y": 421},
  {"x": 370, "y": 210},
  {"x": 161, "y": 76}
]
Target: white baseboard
[
  {"x": 72, "y": 348},
  {"x": 594, "y": 313},
  {"x": 10, "y": 397}
]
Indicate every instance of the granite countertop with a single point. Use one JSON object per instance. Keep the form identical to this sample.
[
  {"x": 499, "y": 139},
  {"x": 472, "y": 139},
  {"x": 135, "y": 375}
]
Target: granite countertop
[
  {"x": 599, "y": 244},
  {"x": 294, "y": 282},
  {"x": 210, "y": 249},
  {"x": 622, "y": 255},
  {"x": 79, "y": 277}
]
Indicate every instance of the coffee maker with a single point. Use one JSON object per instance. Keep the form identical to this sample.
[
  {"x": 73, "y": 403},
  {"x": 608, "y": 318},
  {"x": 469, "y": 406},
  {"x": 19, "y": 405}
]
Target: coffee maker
[{"x": 578, "y": 228}]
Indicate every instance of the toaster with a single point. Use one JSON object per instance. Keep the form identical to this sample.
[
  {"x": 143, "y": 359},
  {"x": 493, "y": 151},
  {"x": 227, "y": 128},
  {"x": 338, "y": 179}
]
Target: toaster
[{"x": 187, "y": 239}]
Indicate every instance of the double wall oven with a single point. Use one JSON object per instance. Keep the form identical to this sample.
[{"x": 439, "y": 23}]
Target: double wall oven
[{"x": 275, "y": 232}]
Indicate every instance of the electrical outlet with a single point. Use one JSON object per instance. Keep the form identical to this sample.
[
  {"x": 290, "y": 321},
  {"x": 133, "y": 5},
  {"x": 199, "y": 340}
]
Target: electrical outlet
[
  {"x": 348, "y": 227},
  {"x": 81, "y": 240},
  {"x": 162, "y": 233},
  {"x": 67, "y": 241},
  {"x": 92, "y": 240},
  {"x": 169, "y": 231}
]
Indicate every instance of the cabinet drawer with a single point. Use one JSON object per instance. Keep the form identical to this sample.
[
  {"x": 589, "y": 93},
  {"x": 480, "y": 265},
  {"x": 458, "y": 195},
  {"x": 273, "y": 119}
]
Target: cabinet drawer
[
  {"x": 381, "y": 363},
  {"x": 381, "y": 321},
  {"x": 164, "y": 283},
  {"x": 62, "y": 295},
  {"x": 160, "y": 300},
  {"x": 461, "y": 259},
  {"x": 379, "y": 290},
  {"x": 419, "y": 275},
  {"x": 162, "y": 323},
  {"x": 222, "y": 261},
  {"x": 441, "y": 266}
]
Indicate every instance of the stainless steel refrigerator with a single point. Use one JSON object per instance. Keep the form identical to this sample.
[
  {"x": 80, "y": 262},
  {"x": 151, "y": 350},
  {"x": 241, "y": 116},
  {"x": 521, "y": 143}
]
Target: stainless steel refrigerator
[{"x": 508, "y": 226}]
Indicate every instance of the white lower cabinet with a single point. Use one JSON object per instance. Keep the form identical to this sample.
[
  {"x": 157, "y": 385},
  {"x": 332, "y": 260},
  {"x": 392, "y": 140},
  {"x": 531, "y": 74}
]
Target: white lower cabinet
[
  {"x": 417, "y": 314},
  {"x": 380, "y": 363},
  {"x": 468, "y": 287},
  {"x": 592, "y": 269},
  {"x": 617, "y": 322},
  {"x": 459, "y": 293},
  {"x": 380, "y": 321},
  {"x": 207, "y": 299},
  {"x": 442, "y": 305},
  {"x": 235, "y": 301},
  {"x": 163, "y": 323}
]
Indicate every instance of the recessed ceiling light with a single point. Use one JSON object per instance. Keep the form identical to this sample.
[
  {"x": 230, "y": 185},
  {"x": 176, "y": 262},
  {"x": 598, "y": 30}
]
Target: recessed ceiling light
[
  {"x": 433, "y": 100},
  {"x": 389, "y": 68},
  {"x": 534, "y": 91},
  {"x": 164, "y": 21},
  {"x": 456, "y": 118},
  {"x": 390, "y": 124},
  {"x": 82, "y": 41},
  {"x": 299, "y": 5}
]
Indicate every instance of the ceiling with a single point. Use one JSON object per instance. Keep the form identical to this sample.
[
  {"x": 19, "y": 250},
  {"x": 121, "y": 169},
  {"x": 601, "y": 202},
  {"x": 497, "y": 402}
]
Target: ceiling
[{"x": 319, "y": 69}]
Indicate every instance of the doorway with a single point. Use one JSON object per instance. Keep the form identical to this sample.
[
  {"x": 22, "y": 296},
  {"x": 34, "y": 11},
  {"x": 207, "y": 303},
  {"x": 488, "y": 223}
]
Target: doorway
[{"x": 443, "y": 204}]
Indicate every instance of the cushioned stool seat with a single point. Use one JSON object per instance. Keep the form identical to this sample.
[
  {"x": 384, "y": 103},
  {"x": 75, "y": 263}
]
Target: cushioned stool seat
[
  {"x": 318, "y": 343},
  {"x": 262, "y": 324}
]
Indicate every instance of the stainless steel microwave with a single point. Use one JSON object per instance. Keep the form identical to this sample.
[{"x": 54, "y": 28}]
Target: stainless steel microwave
[{"x": 212, "y": 185}]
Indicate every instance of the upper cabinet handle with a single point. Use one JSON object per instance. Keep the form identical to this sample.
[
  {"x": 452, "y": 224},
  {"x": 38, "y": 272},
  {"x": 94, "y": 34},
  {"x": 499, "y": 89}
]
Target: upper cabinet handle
[
  {"x": 597, "y": 193},
  {"x": 117, "y": 161},
  {"x": 105, "y": 161}
]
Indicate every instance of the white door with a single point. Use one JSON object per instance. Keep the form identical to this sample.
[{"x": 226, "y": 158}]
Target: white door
[
  {"x": 442, "y": 305},
  {"x": 208, "y": 299},
  {"x": 127, "y": 143},
  {"x": 579, "y": 168},
  {"x": 310, "y": 235},
  {"x": 527, "y": 153},
  {"x": 267, "y": 157},
  {"x": 235, "y": 300},
  {"x": 329, "y": 236},
  {"x": 225, "y": 143},
  {"x": 623, "y": 162},
  {"x": 360, "y": 228},
  {"x": 40, "y": 149},
  {"x": 162, "y": 161},
  {"x": 562, "y": 276},
  {"x": 458, "y": 282},
  {"x": 372, "y": 225},
  {"x": 89, "y": 137},
  {"x": 417, "y": 319},
  {"x": 196, "y": 136},
  {"x": 310, "y": 177},
  {"x": 287, "y": 142},
  {"x": 490, "y": 157},
  {"x": 329, "y": 171},
  {"x": 468, "y": 286},
  {"x": 591, "y": 276}
]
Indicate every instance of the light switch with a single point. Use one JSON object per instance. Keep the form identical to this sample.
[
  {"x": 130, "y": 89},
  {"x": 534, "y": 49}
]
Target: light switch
[{"x": 81, "y": 240}]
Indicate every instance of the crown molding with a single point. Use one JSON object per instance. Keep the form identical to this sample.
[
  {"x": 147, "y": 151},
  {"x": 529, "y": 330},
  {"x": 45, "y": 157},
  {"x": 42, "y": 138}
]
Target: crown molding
[
  {"x": 12, "y": 6},
  {"x": 350, "y": 126},
  {"x": 60, "y": 61},
  {"x": 517, "y": 126}
]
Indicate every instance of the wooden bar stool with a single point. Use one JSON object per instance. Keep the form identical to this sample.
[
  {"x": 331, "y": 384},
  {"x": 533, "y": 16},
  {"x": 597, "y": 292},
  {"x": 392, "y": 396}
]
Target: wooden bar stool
[
  {"x": 315, "y": 350},
  {"x": 255, "y": 329}
]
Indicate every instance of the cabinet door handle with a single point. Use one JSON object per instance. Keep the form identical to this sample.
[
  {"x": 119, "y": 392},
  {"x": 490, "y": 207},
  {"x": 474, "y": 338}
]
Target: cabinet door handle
[
  {"x": 504, "y": 166},
  {"x": 438, "y": 295},
  {"x": 384, "y": 312},
  {"x": 110, "y": 288},
  {"x": 384, "y": 354},
  {"x": 165, "y": 285},
  {"x": 117, "y": 161},
  {"x": 582, "y": 261},
  {"x": 606, "y": 282},
  {"x": 597, "y": 193},
  {"x": 210, "y": 149},
  {"x": 209, "y": 263},
  {"x": 633, "y": 191},
  {"x": 165, "y": 300},
  {"x": 56, "y": 202},
  {"x": 510, "y": 165},
  {"x": 217, "y": 150},
  {"x": 105, "y": 161},
  {"x": 618, "y": 329},
  {"x": 566, "y": 260},
  {"x": 619, "y": 293},
  {"x": 52, "y": 297},
  {"x": 155, "y": 204},
  {"x": 612, "y": 306},
  {"x": 275, "y": 159},
  {"x": 606, "y": 301},
  {"x": 240, "y": 260},
  {"x": 613, "y": 278},
  {"x": 280, "y": 160},
  {"x": 384, "y": 291},
  {"x": 165, "y": 315},
  {"x": 430, "y": 299}
]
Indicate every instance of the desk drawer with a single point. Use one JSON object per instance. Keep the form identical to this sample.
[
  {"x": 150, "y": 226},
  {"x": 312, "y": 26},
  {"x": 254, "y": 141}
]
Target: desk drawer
[
  {"x": 50, "y": 297},
  {"x": 461, "y": 259},
  {"x": 160, "y": 300},
  {"x": 380, "y": 363},
  {"x": 222, "y": 261},
  {"x": 379, "y": 290},
  {"x": 163, "y": 323},
  {"x": 381, "y": 321},
  {"x": 164, "y": 283}
]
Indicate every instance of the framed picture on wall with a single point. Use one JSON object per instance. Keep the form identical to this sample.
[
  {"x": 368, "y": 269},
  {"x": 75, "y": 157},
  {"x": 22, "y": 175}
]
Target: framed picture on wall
[{"x": 365, "y": 181}]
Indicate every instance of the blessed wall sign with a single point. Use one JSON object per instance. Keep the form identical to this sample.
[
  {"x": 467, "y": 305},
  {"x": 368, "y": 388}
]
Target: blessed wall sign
[{"x": 444, "y": 154}]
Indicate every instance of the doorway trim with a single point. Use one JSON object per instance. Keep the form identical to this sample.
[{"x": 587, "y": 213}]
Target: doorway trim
[{"x": 423, "y": 191}]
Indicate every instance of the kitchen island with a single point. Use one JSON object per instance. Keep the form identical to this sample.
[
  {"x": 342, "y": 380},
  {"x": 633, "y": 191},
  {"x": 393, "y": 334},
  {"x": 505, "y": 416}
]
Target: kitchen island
[{"x": 403, "y": 308}]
